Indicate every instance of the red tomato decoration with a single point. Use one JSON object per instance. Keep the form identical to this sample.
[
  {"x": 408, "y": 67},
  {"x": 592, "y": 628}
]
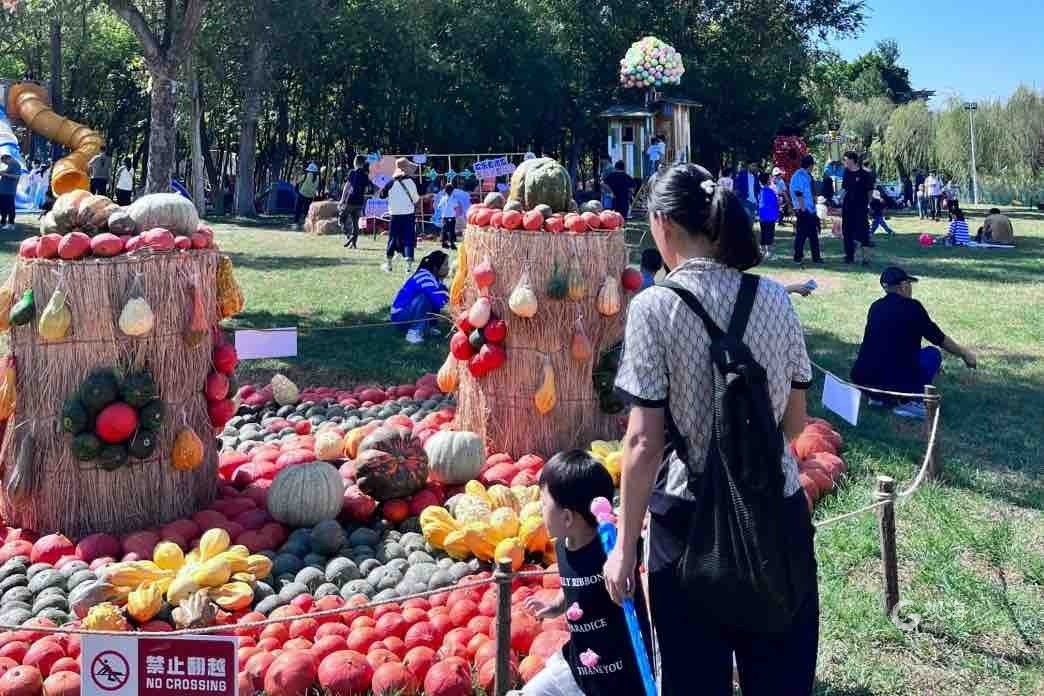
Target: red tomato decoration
[
  {"x": 591, "y": 220},
  {"x": 554, "y": 225},
  {"x": 492, "y": 356},
  {"x": 610, "y": 220},
  {"x": 575, "y": 224},
  {"x": 393, "y": 679},
  {"x": 497, "y": 218},
  {"x": 495, "y": 331},
  {"x": 483, "y": 217},
  {"x": 62, "y": 684},
  {"x": 345, "y": 672},
  {"x": 511, "y": 219},
  {"x": 418, "y": 661},
  {"x": 116, "y": 423},
  {"x": 396, "y": 511},
  {"x": 451, "y": 677},
  {"x": 290, "y": 674},
  {"x": 460, "y": 347},
  {"x": 533, "y": 220}
]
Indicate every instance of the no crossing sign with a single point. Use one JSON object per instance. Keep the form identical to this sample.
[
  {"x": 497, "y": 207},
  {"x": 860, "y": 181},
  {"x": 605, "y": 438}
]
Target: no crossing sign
[{"x": 159, "y": 666}]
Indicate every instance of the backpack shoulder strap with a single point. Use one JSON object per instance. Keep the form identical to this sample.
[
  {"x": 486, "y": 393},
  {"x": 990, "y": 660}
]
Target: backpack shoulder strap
[
  {"x": 744, "y": 304},
  {"x": 689, "y": 299}
]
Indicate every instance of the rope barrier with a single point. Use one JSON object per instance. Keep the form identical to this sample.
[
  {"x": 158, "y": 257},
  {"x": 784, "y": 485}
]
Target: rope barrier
[{"x": 907, "y": 395}]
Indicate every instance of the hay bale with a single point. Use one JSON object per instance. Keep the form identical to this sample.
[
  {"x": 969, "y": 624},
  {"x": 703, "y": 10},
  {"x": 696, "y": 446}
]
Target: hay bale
[
  {"x": 500, "y": 407},
  {"x": 322, "y": 227},
  {"x": 322, "y": 210},
  {"x": 76, "y": 498}
]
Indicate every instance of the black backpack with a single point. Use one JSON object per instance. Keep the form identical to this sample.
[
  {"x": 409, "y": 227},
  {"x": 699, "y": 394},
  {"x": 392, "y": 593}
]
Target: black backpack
[{"x": 741, "y": 564}]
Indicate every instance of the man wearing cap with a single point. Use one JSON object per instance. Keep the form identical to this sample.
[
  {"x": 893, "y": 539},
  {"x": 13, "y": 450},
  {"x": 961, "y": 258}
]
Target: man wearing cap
[
  {"x": 891, "y": 356},
  {"x": 402, "y": 196},
  {"x": 307, "y": 188},
  {"x": 806, "y": 223}
]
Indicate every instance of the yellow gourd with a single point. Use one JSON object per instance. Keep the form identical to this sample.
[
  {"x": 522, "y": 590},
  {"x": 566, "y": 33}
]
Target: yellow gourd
[
  {"x": 504, "y": 523},
  {"x": 259, "y": 566},
  {"x": 232, "y": 596},
  {"x": 609, "y": 296},
  {"x": 479, "y": 538},
  {"x": 471, "y": 509},
  {"x": 575, "y": 279},
  {"x": 145, "y": 602},
  {"x": 448, "y": 378},
  {"x": 523, "y": 301},
  {"x": 55, "y": 319},
  {"x": 191, "y": 558},
  {"x": 546, "y": 397},
  {"x": 526, "y": 494},
  {"x": 509, "y": 550},
  {"x": 213, "y": 573},
  {"x": 229, "y": 296},
  {"x": 501, "y": 497},
  {"x": 105, "y": 617},
  {"x": 436, "y": 524},
  {"x": 329, "y": 445},
  {"x": 284, "y": 391},
  {"x": 237, "y": 563},
  {"x": 168, "y": 556},
  {"x": 533, "y": 533},
  {"x": 456, "y": 544},
  {"x": 137, "y": 318},
  {"x": 187, "y": 453},
  {"x": 460, "y": 278},
  {"x": 244, "y": 577},
  {"x": 182, "y": 587},
  {"x": 133, "y": 573},
  {"x": 531, "y": 509},
  {"x": 477, "y": 490},
  {"x": 212, "y": 543},
  {"x": 8, "y": 388}
]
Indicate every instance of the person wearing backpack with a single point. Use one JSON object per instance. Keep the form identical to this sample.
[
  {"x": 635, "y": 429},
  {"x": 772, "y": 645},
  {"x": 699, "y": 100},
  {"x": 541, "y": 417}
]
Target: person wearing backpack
[
  {"x": 402, "y": 196},
  {"x": 715, "y": 367}
]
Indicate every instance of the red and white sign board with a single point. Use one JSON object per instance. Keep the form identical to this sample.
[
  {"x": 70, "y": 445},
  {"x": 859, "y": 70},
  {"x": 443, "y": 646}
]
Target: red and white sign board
[{"x": 159, "y": 666}]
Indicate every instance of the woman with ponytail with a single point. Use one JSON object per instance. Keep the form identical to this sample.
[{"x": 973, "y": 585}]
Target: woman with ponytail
[{"x": 674, "y": 386}]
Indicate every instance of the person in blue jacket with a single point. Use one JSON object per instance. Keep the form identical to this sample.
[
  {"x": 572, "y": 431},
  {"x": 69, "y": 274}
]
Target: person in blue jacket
[
  {"x": 768, "y": 215},
  {"x": 422, "y": 295}
]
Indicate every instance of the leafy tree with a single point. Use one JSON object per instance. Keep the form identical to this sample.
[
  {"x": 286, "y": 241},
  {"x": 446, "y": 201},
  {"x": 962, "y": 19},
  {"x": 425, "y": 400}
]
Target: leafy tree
[{"x": 879, "y": 74}]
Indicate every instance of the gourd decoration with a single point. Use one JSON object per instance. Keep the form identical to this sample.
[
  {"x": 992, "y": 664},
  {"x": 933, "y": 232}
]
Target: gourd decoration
[
  {"x": 541, "y": 180},
  {"x": 580, "y": 347},
  {"x": 448, "y": 378},
  {"x": 391, "y": 464},
  {"x": 187, "y": 454},
  {"x": 8, "y": 388},
  {"x": 284, "y": 391},
  {"x": 456, "y": 291},
  {"x": 523, "y": 301},
  {"x": 25, "y": 480},
  {"x": 145, "y": 601},
  {"x": 167, "y": 210},
  {"x": 305, "y": 495},
  {"x": 329, "y": 445},
  {"x": 56, "y": 318},
  {"x": 6, "y": 301},
  {"x": 546, "y": 397},
  {"x": 483, "y": 274},
  {"x": 454, "y": 457},
  {"x": 136, "y": 317},
  {"x": 229, "y": 295},
  {"x": 480, "y": 312},
  {"x": 197, "y": 327},
  {"x": 577, "y": 286},
  {"x": 609, "y": 297},
  {"x": 24, "y": 310},
  {"x": 557, "y": 283}
]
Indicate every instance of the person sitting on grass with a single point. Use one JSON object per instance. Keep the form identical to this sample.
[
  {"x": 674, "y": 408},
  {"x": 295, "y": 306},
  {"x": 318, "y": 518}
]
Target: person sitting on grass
[
  {"x": 598, "y": 660},
  {"x": 422, "y": 295},
  {"x": 651, "y": 264},
  {"x": 891, "y": 356},
  {"x": 996, "y": 229},
  {"x": 958, "y": 234}
]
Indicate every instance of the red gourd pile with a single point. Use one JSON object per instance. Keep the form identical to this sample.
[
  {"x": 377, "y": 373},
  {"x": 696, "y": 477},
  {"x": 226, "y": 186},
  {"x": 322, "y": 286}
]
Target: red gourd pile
[
  {"x": 481, "y": 215},
  {"x": 218, "y": 386},
  {"x": 819, "y": 466},
  {"x": 77, "y": 245}
]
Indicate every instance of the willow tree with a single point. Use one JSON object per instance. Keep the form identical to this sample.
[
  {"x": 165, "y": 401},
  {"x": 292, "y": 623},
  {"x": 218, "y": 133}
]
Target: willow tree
[
  {"x": 166, "y": 43},
  {"x": 909, "y": 139}
]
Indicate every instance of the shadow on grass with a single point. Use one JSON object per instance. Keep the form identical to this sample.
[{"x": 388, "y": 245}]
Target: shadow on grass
[{"x": 822, "y": 688}]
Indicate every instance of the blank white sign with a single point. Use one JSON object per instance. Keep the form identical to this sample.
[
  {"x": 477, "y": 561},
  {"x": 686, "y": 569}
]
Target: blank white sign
[
  {"x": 842, "y": 399},
  {"x": 254, "y": 344}
]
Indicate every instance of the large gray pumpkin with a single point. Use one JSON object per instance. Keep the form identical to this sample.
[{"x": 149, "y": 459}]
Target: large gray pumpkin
[
  {"x": 305, "y": 495},
  {"x": 168, "y": 210},
  {"x": 541, "y": 181},
  {"x": 454, "y": 457}
]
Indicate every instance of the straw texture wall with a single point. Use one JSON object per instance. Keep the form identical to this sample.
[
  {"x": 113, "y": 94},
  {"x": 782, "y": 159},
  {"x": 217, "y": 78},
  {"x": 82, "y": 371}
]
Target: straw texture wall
[
  {"x": 76, "y": 498},
  {"x": 500, "y": 406}
]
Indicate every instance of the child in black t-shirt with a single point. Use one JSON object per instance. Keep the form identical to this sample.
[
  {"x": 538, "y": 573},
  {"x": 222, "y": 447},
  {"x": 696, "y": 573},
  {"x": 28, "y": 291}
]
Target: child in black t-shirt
[{"x": 598, "y": 660}]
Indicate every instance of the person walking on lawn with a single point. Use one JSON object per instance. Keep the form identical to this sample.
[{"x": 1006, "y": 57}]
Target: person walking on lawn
[
  {"x": 353, "y": 198},
  {"x": 307, "y": 189},
  {"x": 447, "y": 207},
  {"x": 402, "y": 196},
  {"x": 806, "y": 221},
  {"x": 768, "y": 215},
  {"x": 891, "y": 357},
  {"x": 857, "y": 183},
  {"x": 877, "y": 209}
]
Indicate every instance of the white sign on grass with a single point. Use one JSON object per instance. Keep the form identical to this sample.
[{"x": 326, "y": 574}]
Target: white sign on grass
[
  {"x": 842, "y": 399},
  {"x": 254, "y": 344}
]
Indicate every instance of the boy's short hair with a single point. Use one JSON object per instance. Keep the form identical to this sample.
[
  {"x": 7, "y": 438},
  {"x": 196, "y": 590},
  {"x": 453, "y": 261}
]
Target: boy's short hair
[
  {"x": 651, "y": 260},
  {"x": 573, "y": 479},
  {"x": 763, "y": 178}
]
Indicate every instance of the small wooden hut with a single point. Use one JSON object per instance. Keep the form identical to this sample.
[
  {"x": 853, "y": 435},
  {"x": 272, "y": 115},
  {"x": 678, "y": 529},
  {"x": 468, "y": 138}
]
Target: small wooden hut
[{"x": 631, "y": 129}]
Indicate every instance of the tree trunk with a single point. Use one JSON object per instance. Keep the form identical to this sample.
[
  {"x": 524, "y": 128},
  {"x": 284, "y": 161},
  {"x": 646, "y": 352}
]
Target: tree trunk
[
  {"x": 162, "y": 133},
  {"x": 199, "y": 196},
  {"x": 255, "y": 79},
  {"x": 56, "y": 78}
]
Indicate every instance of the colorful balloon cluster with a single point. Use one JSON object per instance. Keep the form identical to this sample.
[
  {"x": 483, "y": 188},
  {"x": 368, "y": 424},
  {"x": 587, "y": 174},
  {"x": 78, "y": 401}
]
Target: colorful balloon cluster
[{"x": 651, "y": 63}]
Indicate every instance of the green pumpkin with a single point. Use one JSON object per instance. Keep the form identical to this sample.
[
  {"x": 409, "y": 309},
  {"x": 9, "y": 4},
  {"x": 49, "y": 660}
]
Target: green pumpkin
[
  {"x": 150, "y": 416},
  {"x": 139, "y": 389},
  {"x": 112, "y": 457},
  {"x": 142, "y": 445},
  {"x": 74, "y": 416},
  {"x": 99, "y": 390},
  {"x": 24, "y": 310},
  {"x": 541, "y": 181},
  {"x": 86, "y": 447}
]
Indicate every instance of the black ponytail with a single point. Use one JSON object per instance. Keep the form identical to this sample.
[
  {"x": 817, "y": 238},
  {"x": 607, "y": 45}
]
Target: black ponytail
[{"x": 689, "y": 196}]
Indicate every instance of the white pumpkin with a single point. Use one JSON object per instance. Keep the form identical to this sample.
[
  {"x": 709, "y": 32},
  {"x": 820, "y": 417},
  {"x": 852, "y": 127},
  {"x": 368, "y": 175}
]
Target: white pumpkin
[
  {"x": 305, "y": 495},
  {"x": 454, "y": 457},
  {"x": 284, "y": 391},
  {"x": 329, "y": 445},
  {"x": 167, "y": 210}
]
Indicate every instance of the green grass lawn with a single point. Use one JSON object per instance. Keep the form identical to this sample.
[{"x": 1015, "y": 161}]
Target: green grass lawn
[{"x": 971, "y": 548}]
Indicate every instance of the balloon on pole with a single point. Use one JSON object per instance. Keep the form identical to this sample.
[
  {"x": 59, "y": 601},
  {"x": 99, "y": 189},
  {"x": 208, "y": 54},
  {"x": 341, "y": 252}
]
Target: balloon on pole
[{"x": 650, "y": 62}]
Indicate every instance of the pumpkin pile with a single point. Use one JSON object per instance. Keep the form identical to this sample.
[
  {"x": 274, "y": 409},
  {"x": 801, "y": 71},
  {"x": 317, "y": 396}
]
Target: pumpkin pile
[
  {"x": 497, "y": 523},
  {"x": 81, "y": 225},
  {"x": 219, "y": 385},
  {"x": 819, "y": 466},
  {"x": 113, "y": 419}
]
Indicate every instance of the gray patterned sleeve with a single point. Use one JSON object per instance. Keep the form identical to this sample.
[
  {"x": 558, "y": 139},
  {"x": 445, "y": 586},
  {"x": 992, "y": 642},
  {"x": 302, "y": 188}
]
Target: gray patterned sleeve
[
  {"x": 642, "y": 377},
  {"x": 797, "y": 352}
]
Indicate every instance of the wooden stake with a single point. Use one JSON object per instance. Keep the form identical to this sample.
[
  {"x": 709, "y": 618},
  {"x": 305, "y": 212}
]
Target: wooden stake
[
  {"x": 931, "y": 406},
  {"x": 503, "y": 576},
  {"x": 886, "y": 525}
]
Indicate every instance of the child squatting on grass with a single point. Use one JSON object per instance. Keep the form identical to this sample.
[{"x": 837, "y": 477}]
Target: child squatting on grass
[{"x": 598, "y": 659}]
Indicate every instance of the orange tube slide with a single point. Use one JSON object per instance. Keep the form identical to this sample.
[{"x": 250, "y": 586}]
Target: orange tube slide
[{"x": 28, "y": 102}]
